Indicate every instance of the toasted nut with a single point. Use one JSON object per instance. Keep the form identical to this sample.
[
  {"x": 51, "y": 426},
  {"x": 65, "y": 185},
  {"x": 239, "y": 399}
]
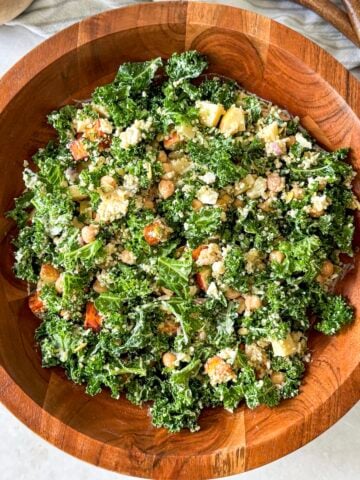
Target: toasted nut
[
  {"x": 99, "y": 287},
  {"x": 231, "y": 294},
  {"x": 161, "y": 156},
  {"x": 108, "y": 183},
  {"x": 196, "y": 204},
  {"x": 327, "y": 269},
  {"x": 93, "y": 319},
  {"x": 89, "y": 232},
  {"x": 252, "y": 302},
  {"x": 48, "y": 273},
  {"x": 169, "y": 359},
  {"x": 276, "y": 256},
  {"x": 59, "y": 284},
  {"x": 277, "y": 378},
  {"x": 166, "y": 188}
]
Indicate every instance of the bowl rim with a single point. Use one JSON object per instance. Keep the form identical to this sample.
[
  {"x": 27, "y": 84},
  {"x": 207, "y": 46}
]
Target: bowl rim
[{"x": 77, "y": 35}]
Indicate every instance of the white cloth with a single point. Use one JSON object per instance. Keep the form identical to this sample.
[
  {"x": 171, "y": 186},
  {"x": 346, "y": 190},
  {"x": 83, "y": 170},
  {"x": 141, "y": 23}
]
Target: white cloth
[{"x": 46, "y": 17}]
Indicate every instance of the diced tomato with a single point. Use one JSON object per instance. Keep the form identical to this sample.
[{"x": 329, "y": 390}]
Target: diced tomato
[
  {"x": 172, "y": 141},
  {"x": 202, "y": 278},
  {"x": 36, "y": 305},
  {"x": 93, "y": 319},
  {"x": 196, "y": 252},
  {"x": 78, "y": 150}
]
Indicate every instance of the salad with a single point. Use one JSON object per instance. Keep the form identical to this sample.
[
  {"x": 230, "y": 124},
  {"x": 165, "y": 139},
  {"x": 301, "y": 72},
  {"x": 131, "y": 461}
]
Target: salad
[{"x": 182, "y": 237}]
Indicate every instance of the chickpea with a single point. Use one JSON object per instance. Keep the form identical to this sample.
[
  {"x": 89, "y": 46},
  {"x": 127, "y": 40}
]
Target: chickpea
[
  {"x": 327, "y": 269},
  {"x": 107, "y": 183},
  {"x": 232, "y": 294},
  {"x": 162, "y": 157},
  {"x": 196, "y": 204},
  {"x": 277, "y": 378},
  {"x": 252, "y": 302},
  {"x": 99, "y": 287},
  {"x": 59, "y": 284},
  {"x": 276, "y": 256},
  {"x": 166, "y": 188},
  {"x": 89, "y": 232},
  {"x": 169, "y": 359}
]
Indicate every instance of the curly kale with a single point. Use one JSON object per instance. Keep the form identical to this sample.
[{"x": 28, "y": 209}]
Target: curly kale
[{"x": 186, "y": 65}]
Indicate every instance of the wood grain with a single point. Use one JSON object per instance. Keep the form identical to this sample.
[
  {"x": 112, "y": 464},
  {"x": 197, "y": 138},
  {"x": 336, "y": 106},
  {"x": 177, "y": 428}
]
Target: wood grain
[
  {"x": 264, "y": 57},
  {"x": 334, "y": 15},
  {"x": 10, "y": 9},
  {"x": 353, "y": 9}
]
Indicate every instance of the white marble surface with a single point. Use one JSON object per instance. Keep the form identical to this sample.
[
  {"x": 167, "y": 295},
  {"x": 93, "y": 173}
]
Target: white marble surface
[{"x": 25, "y": 456}]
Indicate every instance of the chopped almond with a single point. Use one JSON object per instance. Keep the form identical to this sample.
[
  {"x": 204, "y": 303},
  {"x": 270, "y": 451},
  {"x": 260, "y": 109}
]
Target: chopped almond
[{"x": 93, "y": 319}]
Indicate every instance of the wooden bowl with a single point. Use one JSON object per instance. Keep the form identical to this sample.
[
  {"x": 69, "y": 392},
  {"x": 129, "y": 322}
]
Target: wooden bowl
[
  {"x": 10, "y": 9},
  {"x": 264, "y": 57}
]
